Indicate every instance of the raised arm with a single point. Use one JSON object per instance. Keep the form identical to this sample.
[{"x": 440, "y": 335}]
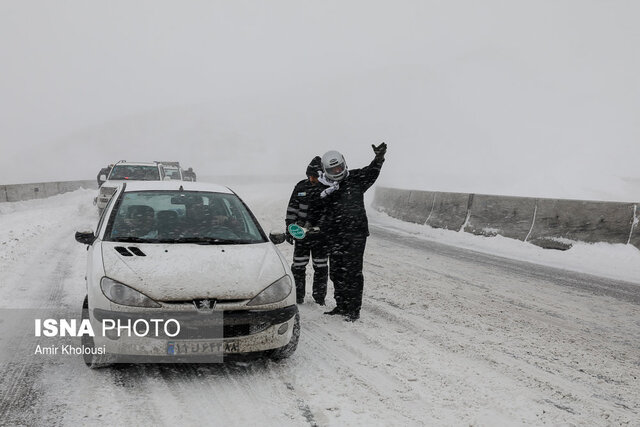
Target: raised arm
[{"x": 370, "y": 173}]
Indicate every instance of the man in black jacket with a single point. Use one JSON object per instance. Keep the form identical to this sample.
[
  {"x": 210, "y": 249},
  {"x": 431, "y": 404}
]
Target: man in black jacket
[
  {"x": 189, "y": 175},
  {"x": 305, "y": 211},
  {"x": 346, "y": 226},
  {"x": 105, "y": 172}
]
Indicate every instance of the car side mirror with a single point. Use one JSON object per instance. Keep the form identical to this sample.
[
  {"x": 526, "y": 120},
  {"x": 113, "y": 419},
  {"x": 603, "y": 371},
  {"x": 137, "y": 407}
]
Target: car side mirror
[
  {"x": 276, "y": 237},
  {"x": 103, "y": 177},
  {"x": 85, "y": 237}
]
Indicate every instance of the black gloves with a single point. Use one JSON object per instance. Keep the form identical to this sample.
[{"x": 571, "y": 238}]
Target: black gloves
[
  {"x": 288, "y": 237},
  {"x": 380, "y": 150}
]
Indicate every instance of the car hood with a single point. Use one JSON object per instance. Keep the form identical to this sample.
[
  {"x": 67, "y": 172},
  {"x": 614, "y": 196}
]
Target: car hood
[{"x": 180, "y": 272}]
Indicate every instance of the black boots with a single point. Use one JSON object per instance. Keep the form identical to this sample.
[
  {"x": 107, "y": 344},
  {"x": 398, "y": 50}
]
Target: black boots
[
  {"x": 351, "y": 317},
  {"x": 335, "y": 311},
  {"x": 348, "y": 316}
]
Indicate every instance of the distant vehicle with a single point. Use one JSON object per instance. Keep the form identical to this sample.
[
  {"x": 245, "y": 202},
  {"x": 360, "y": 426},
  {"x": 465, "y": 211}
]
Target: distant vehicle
[
  {"x": 192, "y": 252},
  {"x": 126, "y": 171},
  {"x": 168, "y": 163},
  {"x": 172, "y": 173}
]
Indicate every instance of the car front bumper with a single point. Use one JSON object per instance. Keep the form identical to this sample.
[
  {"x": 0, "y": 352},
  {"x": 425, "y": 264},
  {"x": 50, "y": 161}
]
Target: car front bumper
[{"x": 203, "y": 337}]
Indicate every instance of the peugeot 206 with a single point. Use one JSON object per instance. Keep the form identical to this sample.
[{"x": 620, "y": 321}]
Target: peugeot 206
[{"x": 182, "y": 271}]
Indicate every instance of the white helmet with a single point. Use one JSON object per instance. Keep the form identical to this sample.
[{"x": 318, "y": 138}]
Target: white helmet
[{"x": 334, "y": 165}]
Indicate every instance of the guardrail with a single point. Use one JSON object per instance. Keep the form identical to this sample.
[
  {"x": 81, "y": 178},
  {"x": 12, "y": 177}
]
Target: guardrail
[
  {"x": 549, "y": 223},
  {"x": 40, "y": 190}
]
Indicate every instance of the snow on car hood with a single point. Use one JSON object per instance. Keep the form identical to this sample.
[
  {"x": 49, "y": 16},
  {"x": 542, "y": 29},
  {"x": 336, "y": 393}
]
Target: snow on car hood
[{"x": 179, "y": 272}]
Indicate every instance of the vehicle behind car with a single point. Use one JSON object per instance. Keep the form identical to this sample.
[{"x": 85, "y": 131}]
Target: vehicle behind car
[
  {"x": 126, "y": 171},
  {"x": 172, "y": 173}
]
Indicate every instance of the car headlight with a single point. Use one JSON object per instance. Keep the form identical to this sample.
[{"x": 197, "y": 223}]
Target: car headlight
[
  {"x": 124, "y": 295},
  {"x": 275, "y": 292}
]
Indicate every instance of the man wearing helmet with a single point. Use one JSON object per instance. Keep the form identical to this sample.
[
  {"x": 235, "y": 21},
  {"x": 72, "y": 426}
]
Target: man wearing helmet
[
  {"x": 304, "y": 210},
  {"x": 346, "y": 225}
]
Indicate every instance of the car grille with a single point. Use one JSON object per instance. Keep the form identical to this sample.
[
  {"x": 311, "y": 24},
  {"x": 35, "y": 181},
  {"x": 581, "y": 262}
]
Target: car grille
[
  {"x": 195, "y": 303},
  {"x": 228, "y": 331}
]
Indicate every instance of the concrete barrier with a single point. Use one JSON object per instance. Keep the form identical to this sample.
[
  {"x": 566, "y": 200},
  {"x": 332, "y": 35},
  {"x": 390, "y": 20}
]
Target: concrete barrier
[
  {"x": 66, "y": 186},
  {"x": 587, "y": 221},
  {"x": 49, "y": 189},
  {"x": 634, "y": 234},
  {"x": 420, "y": 205},
  {"x": 507, "y": 216},
  {"x": 39, "y": 190},
  {"x": 19, "y": 192},
  {"x": 400, "y": 204},
  {"x": 449, "y": 210},
  {"x": 549, "y": 223},
  {"x": 393, "y": 202}
]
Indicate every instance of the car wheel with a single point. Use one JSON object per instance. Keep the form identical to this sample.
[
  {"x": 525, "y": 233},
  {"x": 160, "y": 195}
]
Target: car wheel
[
  {"x": 290, "y": 348},
  {"x": 93, "y": 361}
]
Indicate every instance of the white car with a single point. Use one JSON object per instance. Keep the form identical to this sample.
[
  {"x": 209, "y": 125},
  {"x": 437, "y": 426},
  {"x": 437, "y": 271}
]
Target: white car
[
  {"x": 191, "y": 260},
  {"x": 126, "y": 171}
]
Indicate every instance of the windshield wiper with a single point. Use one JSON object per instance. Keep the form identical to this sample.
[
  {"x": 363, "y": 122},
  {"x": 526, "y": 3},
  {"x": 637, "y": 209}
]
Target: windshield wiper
[
  {"x": 206, "y": 241},
  {"x": 133, "y": 240}
]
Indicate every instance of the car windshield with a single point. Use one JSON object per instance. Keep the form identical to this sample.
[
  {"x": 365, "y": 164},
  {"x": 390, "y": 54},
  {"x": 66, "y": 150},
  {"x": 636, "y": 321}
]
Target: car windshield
[
  {"x": 135, "y": 172},
  {"x": 182, "y": 217}
]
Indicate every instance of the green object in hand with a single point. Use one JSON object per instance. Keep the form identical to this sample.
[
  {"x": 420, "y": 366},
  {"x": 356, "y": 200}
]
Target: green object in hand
[{"x": 296, "y": 231}]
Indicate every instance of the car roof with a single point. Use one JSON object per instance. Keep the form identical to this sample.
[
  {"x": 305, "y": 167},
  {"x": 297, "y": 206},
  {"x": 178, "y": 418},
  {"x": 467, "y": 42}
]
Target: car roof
[
  {"x": 175, "y": 186},
  {"x": 136, "y": 164}
]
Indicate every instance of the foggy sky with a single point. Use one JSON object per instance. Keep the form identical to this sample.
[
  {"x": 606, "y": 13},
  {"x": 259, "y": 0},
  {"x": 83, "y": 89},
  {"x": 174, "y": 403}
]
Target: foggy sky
[{"x": 496, "y": 96}]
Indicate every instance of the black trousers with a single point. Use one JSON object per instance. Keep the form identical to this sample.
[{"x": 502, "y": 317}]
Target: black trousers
[
  {"x": 347, "y": 257},
  {"x": 316, "y": 248}
]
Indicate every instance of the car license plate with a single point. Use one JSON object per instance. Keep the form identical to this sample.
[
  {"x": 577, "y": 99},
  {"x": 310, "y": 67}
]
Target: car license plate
[{"x": 181, "y": 348}]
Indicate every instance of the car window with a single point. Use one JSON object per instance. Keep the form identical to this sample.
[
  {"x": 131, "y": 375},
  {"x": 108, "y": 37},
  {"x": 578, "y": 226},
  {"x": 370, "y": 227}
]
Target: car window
[
  {"x": 183, "y": 217},
  {"x": 172, "y": 173},
  {"x": 135, "y": 172}
]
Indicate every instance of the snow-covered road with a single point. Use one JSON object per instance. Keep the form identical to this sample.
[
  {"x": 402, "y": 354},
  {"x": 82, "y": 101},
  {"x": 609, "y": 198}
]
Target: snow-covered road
[{"x": 448, "y": 336}]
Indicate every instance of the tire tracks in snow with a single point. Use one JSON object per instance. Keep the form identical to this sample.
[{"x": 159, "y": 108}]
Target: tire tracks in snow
[
  {"x": 527, "y": 325},
  {"x": 38, "y": 287},
  {"x": 359, "y": 374}
]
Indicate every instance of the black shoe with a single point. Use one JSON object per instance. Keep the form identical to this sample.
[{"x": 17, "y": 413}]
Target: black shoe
[
  {"x": 319, "y": 301},
  {"x": 335, "y": 311},
  {"x": 351, "y": 317}
]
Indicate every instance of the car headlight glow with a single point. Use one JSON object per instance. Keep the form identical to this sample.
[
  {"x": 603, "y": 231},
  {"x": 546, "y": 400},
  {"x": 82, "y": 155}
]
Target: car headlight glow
[
  {"x": 275, "y": 292},
  {"x": 124, "y": 295}
]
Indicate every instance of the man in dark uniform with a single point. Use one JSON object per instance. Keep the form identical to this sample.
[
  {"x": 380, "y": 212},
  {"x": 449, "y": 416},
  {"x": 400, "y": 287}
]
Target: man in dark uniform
[
  {"x": 105, "y": 172},
  {"x": 346, "y": 226},
  {"x": 189, "y": 175},
  {"x": 304, "y": 210}
]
